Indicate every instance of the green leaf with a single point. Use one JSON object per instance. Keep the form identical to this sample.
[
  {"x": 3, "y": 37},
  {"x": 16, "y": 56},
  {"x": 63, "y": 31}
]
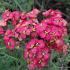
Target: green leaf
[{"x": 60, "y": 0}]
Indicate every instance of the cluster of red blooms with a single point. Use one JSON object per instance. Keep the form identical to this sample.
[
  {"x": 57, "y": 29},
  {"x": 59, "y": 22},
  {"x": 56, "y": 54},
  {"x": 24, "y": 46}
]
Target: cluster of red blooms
[{"x": 45, "y": 35}]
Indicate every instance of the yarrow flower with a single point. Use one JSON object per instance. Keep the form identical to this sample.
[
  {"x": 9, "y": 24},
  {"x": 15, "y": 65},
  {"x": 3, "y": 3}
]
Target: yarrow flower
[
  {"x": 2, "y": 23},
  {"x": 60, "y": 46},
  {"x": 39, "y": 37},
  {"x": 10, "y": 43},
  {"x": 33, "y": 13},
  {"x": 6, "y": 15},
  {"x": 13, "y": 16},
  {"x": 36, "y": 54},
  {"x": 1, "y": 30},
  {"x": 25, "y": 28},
  {"x": 8, "y": 39},
  {"x": 52, "y": 13}
]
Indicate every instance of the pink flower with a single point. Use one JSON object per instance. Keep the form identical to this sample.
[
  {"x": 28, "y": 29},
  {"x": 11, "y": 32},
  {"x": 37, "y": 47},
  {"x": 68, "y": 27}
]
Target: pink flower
[
  {"x": 44, "y": 36},
  {"x": 21, "y": 36},
  {"x": 2, "y": 23},
  {"x": 60, "y": 46},
  {"x": 9, "y": 33},
  {"x": 25, "y": 28},
  {"x": 9, "y": 42},
  {"x": 33, "y": 35},
  {"x": 6, "y": 15},
  {"x": 65, "y": 49},
  {"x": 36, "y": 54},
  {"x": 56, "y": 21},
  {"x": 59, "y": 21},
  {"x": 23, "y": 16},
  {"x": 47, "y": 13},
  {"x": 33, "y": 13},
  {"x": 52, "y": 13},
  {"x": 31, "y": 66},
  {"x": 15, "y": 17},
  {"x": 52, "y": 32},
  {"x": 35, "y": 43},
  {"x": 1, "y": 30},
  {"x": 40, "y": 27}
]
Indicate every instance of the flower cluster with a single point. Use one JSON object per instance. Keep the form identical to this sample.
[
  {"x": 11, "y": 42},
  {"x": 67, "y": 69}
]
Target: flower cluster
[
  {"x": 44, "y": 36},
  {"x": 36, "y": 54}
]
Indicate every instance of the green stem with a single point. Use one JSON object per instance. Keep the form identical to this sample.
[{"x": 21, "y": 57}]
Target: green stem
[
  {"x": 17, "y": 3},
  {"x": 3, "y": 48},
  {"x": 11, "y": 56}
]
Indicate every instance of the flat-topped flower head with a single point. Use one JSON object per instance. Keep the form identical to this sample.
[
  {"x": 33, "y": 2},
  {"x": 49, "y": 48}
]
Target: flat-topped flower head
[
  {"x": 35, "y": 43},
  {"x": 6, "y": 15},
  {"x": 36, "y": 54},
  {"x": 39, "y": 36},
  {"x": 52, "y": 13},
  {"x": 3, "y": 23},
  {"x": 9, "y": 42},
  {"x": 33, "y": 13}
]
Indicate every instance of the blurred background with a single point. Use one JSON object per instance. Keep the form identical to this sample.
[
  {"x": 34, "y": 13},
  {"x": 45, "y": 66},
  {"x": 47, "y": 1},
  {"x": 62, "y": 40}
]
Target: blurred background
[{"x": 13, "y": 60}]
